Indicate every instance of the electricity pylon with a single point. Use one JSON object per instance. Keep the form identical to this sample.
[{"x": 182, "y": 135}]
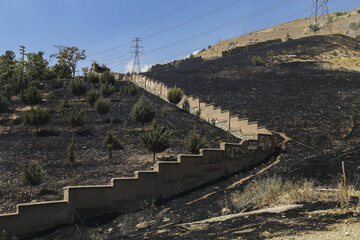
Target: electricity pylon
[
  {"x": 136, "y": 64},
  {"x": 320, "y": 11}
]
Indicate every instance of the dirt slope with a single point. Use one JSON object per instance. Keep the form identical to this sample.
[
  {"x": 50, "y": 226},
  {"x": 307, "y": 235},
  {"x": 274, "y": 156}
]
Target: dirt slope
[{"x": 296, "y": 29}]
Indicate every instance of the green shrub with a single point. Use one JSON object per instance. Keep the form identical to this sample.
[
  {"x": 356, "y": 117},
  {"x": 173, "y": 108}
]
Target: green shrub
[
  {"x": 338, "y": 14},
  {"x": 107, "y": 77},
  {"x": 257, "y": 60},
  {"x": 106, "y": 89},
  {"x": 132, "y": 89},
  {"x": 92, "y": 96},
  {"x": 76, "y": 118},
  {"x": 175, "y": 95},
  {"x": 314, "y": 27},
  {"x": 102, "y": 105},
  {"x": 37, "y": 116},
  {"x": 93, "y": 78},
  {"x": 194, "y": 142},
  {"x": 4, "y": 104},
  {"x": 270, "y": 53},
  {"x": 111, "y": 142},
  {"x": 32, "y": 174},
  {"x": 299, "y": 49},
  {"x": 284, "y": 52},
  {"x": 65, "y": 107},
  {"x": 143, "y": 111},
  {"x": 156, "y": 139},
  {"x": 354, "y": 26},
  {"x": 70, "y": 153},
  {"x": 31, "y": 95},
  {"x": 77, "y": 86}
]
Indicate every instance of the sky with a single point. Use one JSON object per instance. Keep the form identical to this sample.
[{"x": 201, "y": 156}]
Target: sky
[{"x": 169, "y": 29}]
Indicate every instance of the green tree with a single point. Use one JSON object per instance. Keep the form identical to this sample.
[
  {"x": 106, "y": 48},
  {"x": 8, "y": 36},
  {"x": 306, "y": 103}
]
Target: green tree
[
  {"x": 156, "y": 139},
  {"x": 111, "y": 142},
  {"x": 107, "y": 77},
  {"x": 70, "y": 57},
  {"x": 31, "y": 95},
  {"x": 32, "y": 174},
  {"x": 106, "y": 89},
  {"x": 93, "y": 78},
  {"x": 77, "y": 86},
  {"x": 143, "y": 111},
  {"x": 37, "y": 116},
  {"x": 175, "y": 95},
  {"x": 65, "y": 107},
  {"x": 194, "y": 142},
  {"x": 92, "y": 96},
  {"x": 7, "y": 67},
  {"x": 4, "y": 104},
  {"x": 62, "y": 71},
  {"x": 102, "y": 106},
  {"x": 36, "y": 66},
  {"x": 76, "y": 118}
]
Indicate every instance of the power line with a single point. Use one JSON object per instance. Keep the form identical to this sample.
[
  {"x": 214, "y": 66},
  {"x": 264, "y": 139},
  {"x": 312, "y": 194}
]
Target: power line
[
  {"x": 173, "y": 27},
  {"x": 147, "y": 23}
]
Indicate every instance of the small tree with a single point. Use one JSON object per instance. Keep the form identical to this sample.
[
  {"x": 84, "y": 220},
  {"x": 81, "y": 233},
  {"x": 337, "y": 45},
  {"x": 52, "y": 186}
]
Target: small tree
[
  {"x": 111, "y": 142},
  {"x": 32, "y": 174},
  {"x": 4, "y": 104},
  {"x": 257, "y": 60},
  {"x": 76, "y": 118},
  {"x": 65, "y": 107},
  {"x": 143, "y": 111},
  {"x": 77, "y": 87},
  {"x": 31, "y": 95},
  {"x": 37, "y": 116},
  {"x": 93, "y": 78},
  {"x": 92, "y": 96},
  {"x": 194, "y": 142},
  {"x": 132, "y": 89},
  {"x": 107, "y": 77},
  {"x": 70, "y": 56},
  {"x": 156, "y": 139},
  {"x": 70, "y": 153},
  {"x": 102, "y": 106},
  {"x": 106, "y": 89},
  {"x": 175, "y": 95}
]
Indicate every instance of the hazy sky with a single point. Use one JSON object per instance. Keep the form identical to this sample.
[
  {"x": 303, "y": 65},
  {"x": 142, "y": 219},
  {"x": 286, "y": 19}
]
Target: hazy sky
[{"x": 170, "y": 29}]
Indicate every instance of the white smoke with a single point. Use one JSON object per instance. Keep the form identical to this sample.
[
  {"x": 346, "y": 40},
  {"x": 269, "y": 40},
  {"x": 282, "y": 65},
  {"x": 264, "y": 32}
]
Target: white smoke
[
  {"x": 193, "y": 53},
  {"x": 144, "y": 68}
]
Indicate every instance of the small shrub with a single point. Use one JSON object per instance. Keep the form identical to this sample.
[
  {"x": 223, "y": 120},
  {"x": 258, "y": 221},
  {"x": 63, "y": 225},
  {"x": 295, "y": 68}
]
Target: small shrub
[
  {"x": 106, "y": 89},
  {"x": 143, "y": 111},
  {"x": 299, "y": 49},
  {"x": 31, "y": 96},
  {"x": 132, "y": 89},
  {"x": 4, "y": 236},
  {"x": 92, "y": 96},
  {"x": 111, "y": 142},
  {"x": 4, "y": 104},
  {"x": 37, "y": 116},
  {"x": 93, "y": 78},
  {"x": 77, "y": 86},
  {"x": 156, "y": 139},
  {"x": 198, "y": 112},
  {"x": 65, "y": 107},
  {"x": 149, "y": 208},
  {"x": 76, "y": 118},
  {"x": 354, "y": 26},
  {"x": 258, "y": 61},
  {"x": 314, "y": 27},
  {"x": 32, "y": 174},
  {"x": 175, "y": 95},
  {"x": 164, "y": 111},
  {"x": 107, "y": 77},
  {"x": 102, "y": 106},
  {"x": 284, "y": 52},
  {"x": 70, "y": 153},
  {"x": 287, "y": 37},
  {"x": 194, "y": 142},
  {"x": 338, "y": 14},
  {"x": 270, "y": 53}
]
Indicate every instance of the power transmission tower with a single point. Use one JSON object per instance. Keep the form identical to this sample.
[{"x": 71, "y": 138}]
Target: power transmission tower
[
  {"x": 22, "y": 52},
  {"x": 320, "y": 11},
  {"x": 136, "y": 64}
]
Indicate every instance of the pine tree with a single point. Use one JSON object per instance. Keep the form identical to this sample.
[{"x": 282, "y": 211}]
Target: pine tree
[
  {"x": 156, "y": 139},
  {"x": 175, "y": 95},
  {"x": 194, "y": 142},
  {"x": 143, "y": 112},
  {"x": 37, "y": 116}
]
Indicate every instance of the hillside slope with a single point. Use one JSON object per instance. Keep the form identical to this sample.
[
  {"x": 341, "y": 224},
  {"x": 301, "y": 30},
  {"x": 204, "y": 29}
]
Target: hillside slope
[
  {"x": 311, "y": 101},
  {"x": 295, "y": 29}
]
